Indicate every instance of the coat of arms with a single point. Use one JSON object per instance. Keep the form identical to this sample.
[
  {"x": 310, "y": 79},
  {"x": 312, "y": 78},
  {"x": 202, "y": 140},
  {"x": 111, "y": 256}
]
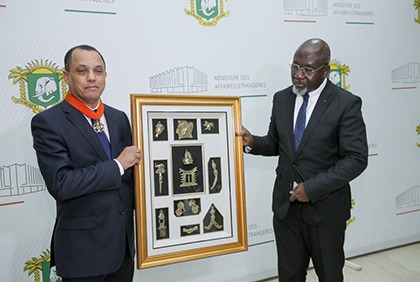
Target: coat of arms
[
  {"x": 39, "y": 85},
  {"x": 207, "y": 12},
  {"x": 40, "y": 268},
  {"x": 338, "y": 74}
]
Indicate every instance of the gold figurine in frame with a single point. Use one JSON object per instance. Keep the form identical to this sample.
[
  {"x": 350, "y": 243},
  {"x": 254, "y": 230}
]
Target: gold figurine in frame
[{"x": 192, "y": 162}]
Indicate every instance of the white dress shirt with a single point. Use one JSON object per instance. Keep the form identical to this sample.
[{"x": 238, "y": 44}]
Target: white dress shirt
[
  {"x": 106, "y": 131},
  {"x": 313, "y": 98}
]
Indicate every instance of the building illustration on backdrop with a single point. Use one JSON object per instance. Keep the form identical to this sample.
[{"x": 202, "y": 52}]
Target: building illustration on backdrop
[
  {"x": 409, "y": 199},
  {"x": 20, "y": 179},
  {"x": 179, "y": 80},
  {"x": 306, "y": 7},
  {"x": 408, "y": 73}
]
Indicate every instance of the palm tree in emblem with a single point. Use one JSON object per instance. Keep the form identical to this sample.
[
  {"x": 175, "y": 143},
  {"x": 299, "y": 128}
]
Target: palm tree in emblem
[
  {"x": 417, "y": 6},
  {"x": 34, "y": 266},
  {"x": 41, "y": 265},
  {"x": 20, "y": 75}
]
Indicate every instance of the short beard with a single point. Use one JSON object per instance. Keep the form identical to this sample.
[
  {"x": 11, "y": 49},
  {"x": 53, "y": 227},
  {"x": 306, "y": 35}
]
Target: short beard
[{"x": 300, "y": 92}]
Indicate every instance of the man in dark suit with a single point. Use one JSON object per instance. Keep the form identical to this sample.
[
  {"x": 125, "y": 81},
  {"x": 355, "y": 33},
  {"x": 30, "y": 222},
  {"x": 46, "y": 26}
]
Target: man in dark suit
[
  {"x": 311, "y": 196},
  {"x": 92, "y": 183}
]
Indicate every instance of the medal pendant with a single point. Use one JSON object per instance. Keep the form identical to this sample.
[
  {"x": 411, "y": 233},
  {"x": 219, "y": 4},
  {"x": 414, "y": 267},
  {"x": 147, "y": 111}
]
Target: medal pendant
[{"x": 98, "y": 127}]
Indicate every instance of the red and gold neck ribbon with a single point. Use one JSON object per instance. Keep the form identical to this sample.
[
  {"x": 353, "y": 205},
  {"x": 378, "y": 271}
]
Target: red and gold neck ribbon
[{"x": 85, "y": 109}]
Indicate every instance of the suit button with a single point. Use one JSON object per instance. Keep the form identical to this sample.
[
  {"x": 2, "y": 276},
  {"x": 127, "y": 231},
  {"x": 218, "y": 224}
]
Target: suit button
[{"x": 122, "y": 211}]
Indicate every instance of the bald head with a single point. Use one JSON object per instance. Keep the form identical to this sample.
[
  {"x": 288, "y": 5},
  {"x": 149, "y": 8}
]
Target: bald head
[
  {"x": 310, "y": 65},
  {"x": 315, "y": 48}
]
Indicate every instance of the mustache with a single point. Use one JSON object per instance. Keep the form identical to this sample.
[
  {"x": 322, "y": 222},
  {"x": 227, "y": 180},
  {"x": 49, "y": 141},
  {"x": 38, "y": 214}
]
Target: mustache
[{"x": 299, "y": 81}]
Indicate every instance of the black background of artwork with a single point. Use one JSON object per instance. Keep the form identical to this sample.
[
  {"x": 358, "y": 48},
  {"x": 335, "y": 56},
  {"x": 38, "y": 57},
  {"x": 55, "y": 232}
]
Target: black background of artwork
[
  {"x": 165, "y": 189},
  {"x": 164, "y": 135},
  {"x": 165, "y": 212},
  {"x": 187, "y": 207},
  {"x": 177, "y": 156},
  {"x": 190, "y": 226},
  {"x": 215, "y": 128},
  {"x": 218, "y": 219},
  {"x": 218, "y": 186}
]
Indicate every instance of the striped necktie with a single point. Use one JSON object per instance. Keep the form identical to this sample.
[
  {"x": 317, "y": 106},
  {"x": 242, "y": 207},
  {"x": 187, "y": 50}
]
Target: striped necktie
[{"x": 301, "y": 121}]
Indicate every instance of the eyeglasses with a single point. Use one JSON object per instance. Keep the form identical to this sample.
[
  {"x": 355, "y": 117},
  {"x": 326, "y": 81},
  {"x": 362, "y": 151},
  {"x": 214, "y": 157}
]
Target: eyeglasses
[{"x": 306, "y": 70}]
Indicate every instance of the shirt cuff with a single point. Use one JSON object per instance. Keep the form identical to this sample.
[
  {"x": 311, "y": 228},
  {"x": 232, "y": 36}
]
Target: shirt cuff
[
  {"x": 248, "y": 149},
  {"x": 120, "y": 167}
]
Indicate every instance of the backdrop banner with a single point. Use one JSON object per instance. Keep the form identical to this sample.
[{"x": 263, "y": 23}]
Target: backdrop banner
[{"x": 216, "y": 48}]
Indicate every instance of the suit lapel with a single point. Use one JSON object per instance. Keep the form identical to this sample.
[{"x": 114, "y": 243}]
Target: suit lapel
[
  {"x": 289, "y": 111},
  {"x": 79, "y": 121},
  {"x": 112, "y": 130},
  {"x": 323, "y": 101}
]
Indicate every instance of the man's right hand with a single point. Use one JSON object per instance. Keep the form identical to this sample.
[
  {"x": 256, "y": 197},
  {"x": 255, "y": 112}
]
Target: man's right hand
[{"x": 247, "y": 138}]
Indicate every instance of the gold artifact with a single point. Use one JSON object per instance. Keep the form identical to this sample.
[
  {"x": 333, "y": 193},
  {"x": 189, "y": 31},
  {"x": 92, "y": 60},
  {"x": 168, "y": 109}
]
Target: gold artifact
[
  {"x": 215, "y": 173},
  {"x": 213, "y": 220},
  {"x": 188, "y": 177},
  {"x": 181, "y": 208},
  {"x": 190, "y": 230},
  {"x": 162, "y": 227},
  {"x": 194, "y": 207},
  {"x": 184, "y": 129},
  {"x": 208, "y": 125},
  {"x": 187, "y": 159},
  {"x": 159, "y": 128},
  {"x": 160, "y": 171}
]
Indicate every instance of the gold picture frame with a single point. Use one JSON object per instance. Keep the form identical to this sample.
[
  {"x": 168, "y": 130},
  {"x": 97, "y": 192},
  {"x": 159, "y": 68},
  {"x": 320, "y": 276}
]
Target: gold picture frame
[{"x": 189, "y": 186}]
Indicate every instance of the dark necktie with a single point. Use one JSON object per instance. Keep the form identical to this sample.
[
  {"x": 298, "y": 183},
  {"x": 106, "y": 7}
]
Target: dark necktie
[
  {"x": 104, "y": 140},
  {"x": 301, "y": 121}
]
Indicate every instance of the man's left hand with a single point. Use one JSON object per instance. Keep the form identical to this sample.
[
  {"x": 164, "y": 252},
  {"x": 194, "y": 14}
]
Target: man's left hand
[{"x": 299, "y": 194}]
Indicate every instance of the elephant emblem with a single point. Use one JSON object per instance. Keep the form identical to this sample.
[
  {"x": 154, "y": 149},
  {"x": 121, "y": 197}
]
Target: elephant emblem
[
  {"x": 44, "y": 88},
  {"x": 207, "y": 7}
]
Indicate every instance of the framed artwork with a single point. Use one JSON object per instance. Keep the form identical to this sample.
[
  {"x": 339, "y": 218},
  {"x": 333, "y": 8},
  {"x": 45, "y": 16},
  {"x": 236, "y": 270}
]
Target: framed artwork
[{"x": 189, "y": 186}]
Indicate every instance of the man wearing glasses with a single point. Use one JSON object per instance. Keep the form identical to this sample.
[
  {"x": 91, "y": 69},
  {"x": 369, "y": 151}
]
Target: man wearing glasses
[{"x": 317, "y": 130}]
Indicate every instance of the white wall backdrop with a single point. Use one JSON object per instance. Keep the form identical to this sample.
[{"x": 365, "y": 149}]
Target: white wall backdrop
[{"x": 243, "y": 49}]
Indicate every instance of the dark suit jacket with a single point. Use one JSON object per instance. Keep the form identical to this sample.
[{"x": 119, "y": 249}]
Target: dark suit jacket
[
  {"x": 94, "y": 202},
  {"x": 332, "y": 152}
]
